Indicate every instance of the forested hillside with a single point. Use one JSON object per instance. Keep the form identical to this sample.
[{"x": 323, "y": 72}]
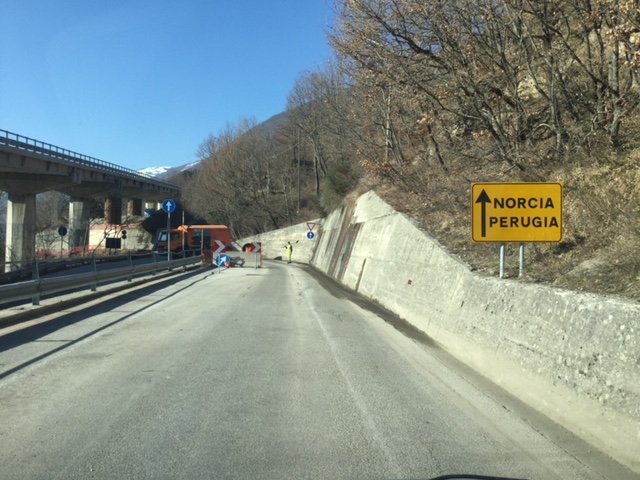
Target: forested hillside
[{"x": 424, "y": 98}]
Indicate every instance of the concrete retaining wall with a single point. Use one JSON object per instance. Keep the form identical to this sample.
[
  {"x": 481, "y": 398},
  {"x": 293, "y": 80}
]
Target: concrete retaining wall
[
  {"x": 274, "y": 242},
  {"x": 574, "y": 357}
]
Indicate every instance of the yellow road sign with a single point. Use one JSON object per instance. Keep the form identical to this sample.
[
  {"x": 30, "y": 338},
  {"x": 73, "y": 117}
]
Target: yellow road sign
[{"x": 516, "y": 212}]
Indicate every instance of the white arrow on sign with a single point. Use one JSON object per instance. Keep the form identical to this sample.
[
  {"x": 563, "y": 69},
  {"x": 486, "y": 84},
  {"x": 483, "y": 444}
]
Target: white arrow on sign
[
  {"x": 219, "y": 247},
  {"x": 257, "y": 247}
]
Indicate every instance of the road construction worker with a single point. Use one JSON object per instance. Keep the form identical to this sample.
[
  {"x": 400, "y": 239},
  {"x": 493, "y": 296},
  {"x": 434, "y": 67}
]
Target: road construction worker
[{"x": 289, "y": 251}]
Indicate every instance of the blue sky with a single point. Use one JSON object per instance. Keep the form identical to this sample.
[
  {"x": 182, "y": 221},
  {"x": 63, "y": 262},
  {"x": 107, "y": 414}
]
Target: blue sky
[{"x": 143, "y": 83}]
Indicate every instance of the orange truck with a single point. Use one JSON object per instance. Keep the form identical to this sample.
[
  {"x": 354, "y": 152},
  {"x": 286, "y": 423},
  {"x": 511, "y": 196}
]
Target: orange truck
[{"x": 206, "y": 239}]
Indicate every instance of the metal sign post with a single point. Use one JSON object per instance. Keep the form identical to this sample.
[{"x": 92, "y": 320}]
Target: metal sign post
[
  {"x": 168, "y": 206},
  {"x": 168, "y": 236},
  {"x": 503, "y": 259},
  {"x": 62, "y": 231}
]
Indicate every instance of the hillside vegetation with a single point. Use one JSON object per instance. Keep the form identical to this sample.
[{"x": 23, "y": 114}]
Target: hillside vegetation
[{"x": 426, "y": 97}]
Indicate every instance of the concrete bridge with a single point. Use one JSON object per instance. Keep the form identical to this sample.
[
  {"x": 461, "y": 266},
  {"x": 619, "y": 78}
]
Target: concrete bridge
[{"x": 29, "y": 167}]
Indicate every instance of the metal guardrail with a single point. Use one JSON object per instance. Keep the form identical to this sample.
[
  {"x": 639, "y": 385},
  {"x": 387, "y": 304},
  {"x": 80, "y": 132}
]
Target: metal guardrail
[
  {"x": 36, "y": 146},
  {"x": 55, "y": 265},
  {"x": 33, "y": 289}
]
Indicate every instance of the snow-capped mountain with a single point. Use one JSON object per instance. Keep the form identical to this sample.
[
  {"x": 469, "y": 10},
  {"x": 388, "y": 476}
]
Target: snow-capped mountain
[
  {"x": 154, "y": 171},
  {"x": 188, "y": 166},
  {"x": 167, "y": 172},
  {"x": 270, "y": 127}
]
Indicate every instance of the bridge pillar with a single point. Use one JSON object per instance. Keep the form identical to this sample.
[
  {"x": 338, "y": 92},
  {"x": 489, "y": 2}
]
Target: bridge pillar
[
  {"x": 21, "y": 231},
  {"x": 134, "y": 207},
  {"x": 79, "y": 217},
  {"x": 113, "y": 211}
]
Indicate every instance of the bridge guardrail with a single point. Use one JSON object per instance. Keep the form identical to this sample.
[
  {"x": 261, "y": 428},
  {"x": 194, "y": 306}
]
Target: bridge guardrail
[
  {"x": 27, "y": 144},
  {"x": 33, "y": 289},
  {"x": 47, "y": 266}
]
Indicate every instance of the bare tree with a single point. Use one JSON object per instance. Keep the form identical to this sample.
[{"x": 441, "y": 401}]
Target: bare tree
[
  {"x": 236, "y": 184},
  {"x": 323, "y": 130}
]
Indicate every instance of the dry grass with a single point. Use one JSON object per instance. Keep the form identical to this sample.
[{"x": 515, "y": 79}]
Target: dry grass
[{"x": 601, "y": 248}]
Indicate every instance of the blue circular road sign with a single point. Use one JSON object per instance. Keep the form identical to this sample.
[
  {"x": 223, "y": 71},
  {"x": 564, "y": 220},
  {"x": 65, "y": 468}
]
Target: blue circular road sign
[
  {"x": 311, "y": 235},
  {"x": 169, "y": 206},
  {"x": 222, "y": 260}
]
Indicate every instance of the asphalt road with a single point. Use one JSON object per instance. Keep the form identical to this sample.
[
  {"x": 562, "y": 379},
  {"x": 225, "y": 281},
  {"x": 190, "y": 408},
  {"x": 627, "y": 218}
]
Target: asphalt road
[{"x": 254, "y": 374}]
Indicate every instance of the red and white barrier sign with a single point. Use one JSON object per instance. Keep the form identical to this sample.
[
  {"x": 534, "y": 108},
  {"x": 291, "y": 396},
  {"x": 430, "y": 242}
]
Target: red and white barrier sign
[{"x": 218, "y": 247}]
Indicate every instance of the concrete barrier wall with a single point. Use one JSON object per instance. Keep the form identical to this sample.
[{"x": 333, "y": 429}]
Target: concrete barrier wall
[
  {"x": 274, "y": 242},
  {"x": 574, "y": 357},
  {"x": 244, "y": 259}
]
